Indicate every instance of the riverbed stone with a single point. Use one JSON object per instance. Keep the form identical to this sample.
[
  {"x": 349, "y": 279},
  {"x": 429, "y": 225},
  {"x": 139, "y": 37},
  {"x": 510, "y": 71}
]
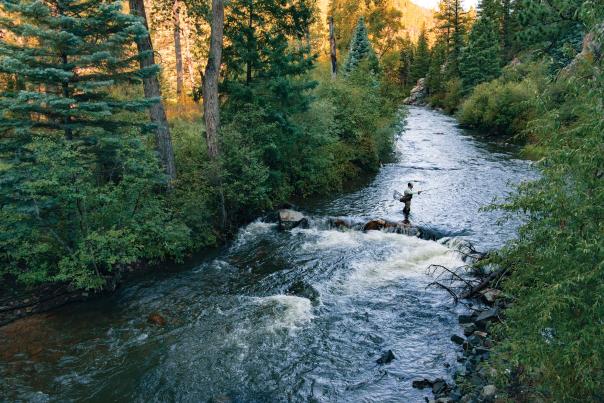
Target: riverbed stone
[
  {"x": 439, "y": 387},
  {"x": 469, "y": 329},
  {"x": 422, "y": 383},
  {"x": 457, "y": 339},
  {"x": 290, "y": 219},
  {"x": 466, "y": 319},
  {"x": 489, "y": 315},
  {"x": 386, "y": 358},
  {"x": 156, "y": 319},
  {"x": 490, "y": 295}
]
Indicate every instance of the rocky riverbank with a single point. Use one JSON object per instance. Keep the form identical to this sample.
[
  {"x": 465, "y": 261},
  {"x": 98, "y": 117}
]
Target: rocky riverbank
[{"x": 474, "y": 375}]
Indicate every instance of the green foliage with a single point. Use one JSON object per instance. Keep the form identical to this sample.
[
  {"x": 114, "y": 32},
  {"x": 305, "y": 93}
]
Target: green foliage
[
  {"x": 59, "y": 224},
  {"x": 360, "y": 50},
  {"x": 421, "y": 58},
  {"x": 505, "y": 106},
  {"x": 480, "y": 60},
  {"x": 554, "y": 329},
  {"x": 78, "y": 186}
]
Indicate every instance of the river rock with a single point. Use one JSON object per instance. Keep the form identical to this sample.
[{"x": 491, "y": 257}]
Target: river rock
[
  {"x": 490, "y": 295},
  {"x": 386, "y": 358},
  {"x": 489, "y": 315},
  {"x": 457, "y": 339},
  {"x": 418, "y": 94},
  {"x": 289, "y": 219},
  {"x": 156, "y": 319},
  {"x": 469, "y": 329},
  {"x": 439, "y": 387},
  {"x": 374, "y": 225},
  {"x": 466, "y": 319},
  {"x": 302, "y": 289},
  {"x": 422, "y": 383}
]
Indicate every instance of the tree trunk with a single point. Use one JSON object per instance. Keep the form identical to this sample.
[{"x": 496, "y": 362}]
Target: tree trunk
[
  {"x": 332, "y": 49},
  {"x": 248, "y": 74},
  {"x": 178, "y": 49},
  {"x": 211, "y": 104},
  {"x": 157, "y": 113},
  {"x": 188, "y": 56}
]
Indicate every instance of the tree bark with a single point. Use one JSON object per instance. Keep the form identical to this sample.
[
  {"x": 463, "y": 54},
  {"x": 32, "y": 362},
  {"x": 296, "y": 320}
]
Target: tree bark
[
  {"x": 332, "y": 49},
  {"x": 211, "y": 104},
  {"x": 188, "y": 56},
  {"x": 178, "y": 50},
  {"x": 157, "y": 113},
  {"x": 211, "y": 78},
  {"x": 248, "y": 74}
]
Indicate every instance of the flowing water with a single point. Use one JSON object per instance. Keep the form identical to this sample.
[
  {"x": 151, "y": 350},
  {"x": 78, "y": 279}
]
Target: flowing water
[{"x": 235, "y": 333}]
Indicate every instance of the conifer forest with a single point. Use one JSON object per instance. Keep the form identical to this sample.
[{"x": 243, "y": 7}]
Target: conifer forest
[{"x": 196, "y": 200}]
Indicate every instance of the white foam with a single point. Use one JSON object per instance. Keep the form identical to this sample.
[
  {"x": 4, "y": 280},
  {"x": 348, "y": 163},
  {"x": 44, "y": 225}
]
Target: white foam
[
  {"x": 331, "y": 239},
  {"x": 408, "y": 257},
  {"x": 286, "y": 311},
  {"x": 252, "y": 230}
]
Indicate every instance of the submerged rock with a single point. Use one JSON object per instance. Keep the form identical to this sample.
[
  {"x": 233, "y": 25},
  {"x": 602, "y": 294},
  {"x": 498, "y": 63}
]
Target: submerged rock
[
  {"x": 156, "y": 319},
  {"x": 305, "y": 290},
  {"x": 386, "y": 358},
  {"x": 457, "y": 339},
  {"x": 422, "y": 383},
  {"x": 289, "y": 219}
]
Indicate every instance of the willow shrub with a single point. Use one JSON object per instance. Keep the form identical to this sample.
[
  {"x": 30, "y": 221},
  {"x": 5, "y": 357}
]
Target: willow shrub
[
  {"x": 506, "y": 105},
  {"x": 554, "y": 331}
]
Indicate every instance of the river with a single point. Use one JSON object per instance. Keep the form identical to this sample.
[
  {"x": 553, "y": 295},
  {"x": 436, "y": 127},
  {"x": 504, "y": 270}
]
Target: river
[{"x": 233, "y": 331}]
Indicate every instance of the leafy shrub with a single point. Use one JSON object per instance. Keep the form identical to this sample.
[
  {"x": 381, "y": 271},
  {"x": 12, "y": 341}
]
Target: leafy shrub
[
  {"x": 553, "y": 336},
  {"x": 68, "y": 227},
  {"x": 504, "y": 106}
]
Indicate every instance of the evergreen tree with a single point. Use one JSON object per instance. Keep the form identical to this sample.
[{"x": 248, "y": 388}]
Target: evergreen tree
[
  {"x": 74, "y": 171},
  {"x": 360, "y": 49},
  {"x": 436, "y": 72},
  {"x": 451, "y": 27},
  {"x": 266, "y": 59},
  {"x": 421, "y": 60},
  {"x": 406, "y": 62},
  {"x": 481, "y": 58}
]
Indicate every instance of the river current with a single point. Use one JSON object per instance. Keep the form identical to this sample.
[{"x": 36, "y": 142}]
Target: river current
[{"x": 240, "y": 330}]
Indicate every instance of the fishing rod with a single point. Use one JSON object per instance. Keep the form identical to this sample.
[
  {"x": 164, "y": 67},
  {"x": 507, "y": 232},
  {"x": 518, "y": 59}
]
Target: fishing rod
[{"x": 397, "y": 195}]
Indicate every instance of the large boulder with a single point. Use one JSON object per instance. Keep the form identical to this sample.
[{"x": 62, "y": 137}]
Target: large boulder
[
  {"x": 289, "y": 219},
  {"x": 418, "y": 94}
]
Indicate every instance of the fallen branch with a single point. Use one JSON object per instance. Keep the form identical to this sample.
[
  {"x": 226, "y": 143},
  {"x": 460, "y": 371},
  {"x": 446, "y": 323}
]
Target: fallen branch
[
  {"x": 484, "y": 284},
  {"x": 436, "y": 283},
  {"x": 457, "y": 276}
]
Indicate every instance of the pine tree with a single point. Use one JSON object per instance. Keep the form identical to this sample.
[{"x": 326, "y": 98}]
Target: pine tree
[
  {"x": 436, "y": 72},
  {"x": 451, "y": 27},
  {"x": 67, "y": 143},
  {"x": 421, "y": 60},
  {"x": 360, "y": 49},
  {"x": 406, "y": 62},
  {"x": 481, "y": 59}
]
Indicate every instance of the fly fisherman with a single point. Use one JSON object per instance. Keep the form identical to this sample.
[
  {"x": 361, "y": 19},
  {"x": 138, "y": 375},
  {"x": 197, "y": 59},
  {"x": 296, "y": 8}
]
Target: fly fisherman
[{"x": 407, "y": 196}]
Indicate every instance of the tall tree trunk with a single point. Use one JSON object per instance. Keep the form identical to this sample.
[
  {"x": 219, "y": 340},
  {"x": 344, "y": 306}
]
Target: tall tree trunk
[
  {"x": 332, "y": 49},
  {"x": 211, "y": 104},
  {"x": 157, "y": 113},
  {"x": 178, "y": 49},
  {"x": 250, "y": 39},
  {"x": 188, "y": 56}
]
